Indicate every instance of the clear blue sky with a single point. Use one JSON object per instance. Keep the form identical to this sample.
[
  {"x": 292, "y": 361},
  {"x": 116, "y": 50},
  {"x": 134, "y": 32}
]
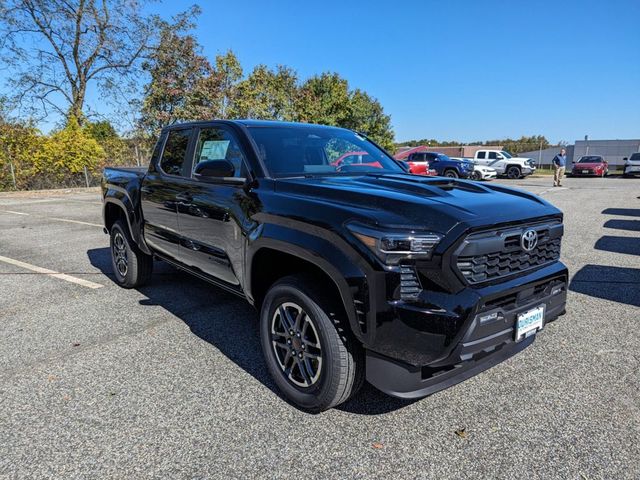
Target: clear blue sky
[
  {"x": 465, "y": 70},
  {"x": 455, "y": 69}
]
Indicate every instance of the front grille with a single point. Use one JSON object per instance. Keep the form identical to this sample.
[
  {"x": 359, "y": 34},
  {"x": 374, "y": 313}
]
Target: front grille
[{"x": 494, "y": 255}]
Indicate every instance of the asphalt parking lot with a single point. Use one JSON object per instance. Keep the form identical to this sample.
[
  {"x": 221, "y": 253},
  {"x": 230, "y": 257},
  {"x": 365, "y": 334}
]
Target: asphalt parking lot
[{"x": 168, "y": 381}]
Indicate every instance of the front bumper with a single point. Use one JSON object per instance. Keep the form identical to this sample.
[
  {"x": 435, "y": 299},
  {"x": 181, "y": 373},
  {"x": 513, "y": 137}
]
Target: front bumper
[{"x": 428, "y": 348}]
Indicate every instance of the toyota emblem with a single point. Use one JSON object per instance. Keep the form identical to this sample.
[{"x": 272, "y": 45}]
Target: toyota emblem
[{"x": 529, "y": 240}]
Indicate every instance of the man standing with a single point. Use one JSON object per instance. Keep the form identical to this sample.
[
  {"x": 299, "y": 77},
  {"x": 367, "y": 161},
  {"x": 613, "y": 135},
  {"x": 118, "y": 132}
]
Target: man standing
[{"x": 559, "y": 165}]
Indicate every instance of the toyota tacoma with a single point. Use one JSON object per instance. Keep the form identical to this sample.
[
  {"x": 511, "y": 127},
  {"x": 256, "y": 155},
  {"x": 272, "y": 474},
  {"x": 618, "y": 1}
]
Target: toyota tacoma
[{"x": 358, "y": 271}]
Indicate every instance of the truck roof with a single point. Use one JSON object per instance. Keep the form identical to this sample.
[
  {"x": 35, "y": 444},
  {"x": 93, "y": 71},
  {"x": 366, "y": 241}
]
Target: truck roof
[{"x": 251, "y": 123}]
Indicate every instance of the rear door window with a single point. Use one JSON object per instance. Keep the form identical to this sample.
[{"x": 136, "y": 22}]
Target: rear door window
[
  {"x": 480, "y": 155},
  {"x": 175, "y": 152}
]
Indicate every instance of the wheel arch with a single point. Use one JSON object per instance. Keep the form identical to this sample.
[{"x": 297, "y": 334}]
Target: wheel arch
[
  {"x": 118, "y": 205},
  {"x": 269, "y": 259}
]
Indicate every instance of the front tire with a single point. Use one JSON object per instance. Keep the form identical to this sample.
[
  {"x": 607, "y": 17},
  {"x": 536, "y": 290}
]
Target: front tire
[
  {"x": 308, "y": 349},
  {"x": 451, "y": 173},
  {"x": 477, "y": 176},
  {"x": 514, "y": 172},
  {"x": 131, "y": 266}
]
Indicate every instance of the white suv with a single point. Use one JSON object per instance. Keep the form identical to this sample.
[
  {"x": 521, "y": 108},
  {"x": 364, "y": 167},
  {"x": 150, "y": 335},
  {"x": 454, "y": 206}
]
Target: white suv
[{"x": 632, "y": 165}]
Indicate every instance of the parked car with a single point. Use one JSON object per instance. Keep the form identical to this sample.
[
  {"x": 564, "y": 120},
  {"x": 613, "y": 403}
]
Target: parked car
[
  {"x": 443, "y": 165},
  {"x": 632, "y": 165},
  {"x": 590, "y": 165},
  {"x": 363, "y": 159},
  {"x": 356, "y": 159},
  {"x": 414, "y": 283},
  {"x": 480, "y": 172},
  {"x": 504, "y": 163},
  {"x": 419, "y": 167}
]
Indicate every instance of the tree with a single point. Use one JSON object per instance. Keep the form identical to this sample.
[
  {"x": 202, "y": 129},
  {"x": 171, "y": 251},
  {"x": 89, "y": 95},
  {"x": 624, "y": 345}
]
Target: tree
[
  {"x": 229, "y": 73},
  {"x": 57, "y": 48},
  {"x": 324, "y": 99},
  {"x": 267, "y": 94},
  {"x": 183, "y": 84},
  {"x": 67, "y": 152},
  {"x": 19, "y": 144},
  {"x": 367, "y": 115}
]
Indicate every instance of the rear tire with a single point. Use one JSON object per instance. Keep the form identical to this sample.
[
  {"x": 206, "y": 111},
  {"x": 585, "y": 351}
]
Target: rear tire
[
  {"x": 131, "y": 266},
  {"x": 308, "y": 347}
]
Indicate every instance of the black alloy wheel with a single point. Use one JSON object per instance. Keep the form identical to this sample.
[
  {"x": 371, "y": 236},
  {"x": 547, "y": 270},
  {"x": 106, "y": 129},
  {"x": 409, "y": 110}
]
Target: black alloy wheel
[
  {"x": 296, "y": 344},
  {"x": 131, "y": 267},
  {"x": 513, "y": 173},
  {"x": 119, "y": 253},
  {"x": 309, "y": 351}
]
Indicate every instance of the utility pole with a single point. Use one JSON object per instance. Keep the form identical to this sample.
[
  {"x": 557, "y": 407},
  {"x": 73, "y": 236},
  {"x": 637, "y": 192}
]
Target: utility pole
[
  {"x": 13, "y": 175},
  {"x": 540, "y": 155}
]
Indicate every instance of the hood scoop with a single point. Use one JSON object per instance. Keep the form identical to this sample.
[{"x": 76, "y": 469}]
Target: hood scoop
[{"x": 423, "y": 185}]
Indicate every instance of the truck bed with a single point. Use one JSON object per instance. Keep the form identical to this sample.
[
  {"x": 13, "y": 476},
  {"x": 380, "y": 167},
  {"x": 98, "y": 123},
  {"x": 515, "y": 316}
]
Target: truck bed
[{"x": 139, "y": 171}]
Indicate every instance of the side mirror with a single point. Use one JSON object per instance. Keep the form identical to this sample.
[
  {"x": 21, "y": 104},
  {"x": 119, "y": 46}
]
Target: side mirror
[
  {"x": 625, "y": 159},
  {"x": 215, "y": 168}
]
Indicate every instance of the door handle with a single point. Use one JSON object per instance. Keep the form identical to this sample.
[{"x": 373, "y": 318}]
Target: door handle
[{"x": 184, "y": 197}]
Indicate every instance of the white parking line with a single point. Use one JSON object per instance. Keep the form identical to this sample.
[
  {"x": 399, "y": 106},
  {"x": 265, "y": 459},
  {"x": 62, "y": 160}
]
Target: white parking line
[
  {"x": 51, "y": 273},
  {"x": 15, "y": 213},
  {"x": 75, "y": 221},
  {"x": 56, "y": 219}
]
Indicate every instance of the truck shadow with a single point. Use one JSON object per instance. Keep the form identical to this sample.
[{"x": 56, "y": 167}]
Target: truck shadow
[
  {"x": 228, "y": 323},
  {"x": 619, "y": 224},
  {"x": 629, "y": 212},
  {"x": 618, "y": 284},
  {"x": 627, "y": 245}
]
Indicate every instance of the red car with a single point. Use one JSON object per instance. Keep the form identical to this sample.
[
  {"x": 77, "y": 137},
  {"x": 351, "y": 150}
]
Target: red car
[
  {"x": 359, "y": 159},
  {"x": 590, "y": 165},
  {"x": 355, "y": 159},
  {"x": 420, "y": 168}
]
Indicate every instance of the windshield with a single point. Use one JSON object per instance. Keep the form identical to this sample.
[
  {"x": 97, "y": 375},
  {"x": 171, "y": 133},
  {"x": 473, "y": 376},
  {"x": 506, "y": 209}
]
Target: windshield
[
  {"x": 635, "y": 156},
  {"x": 506, "y": 154},
  {"x": 590, "y": 159},
  {"x": 290, "y": 151}
]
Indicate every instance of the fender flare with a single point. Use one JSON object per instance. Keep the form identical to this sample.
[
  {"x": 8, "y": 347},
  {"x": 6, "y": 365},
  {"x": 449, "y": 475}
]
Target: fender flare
[
  {"x": 120, "y": 197},
  {"x": 334, "y": 256}
]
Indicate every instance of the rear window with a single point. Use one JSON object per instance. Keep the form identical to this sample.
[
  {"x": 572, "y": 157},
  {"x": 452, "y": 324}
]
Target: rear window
[{"x": 175, "y": 152}]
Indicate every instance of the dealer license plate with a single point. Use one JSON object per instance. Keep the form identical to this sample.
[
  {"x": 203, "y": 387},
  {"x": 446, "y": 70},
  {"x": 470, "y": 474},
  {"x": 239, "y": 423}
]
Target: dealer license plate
[{"x": 529, "y": 322}]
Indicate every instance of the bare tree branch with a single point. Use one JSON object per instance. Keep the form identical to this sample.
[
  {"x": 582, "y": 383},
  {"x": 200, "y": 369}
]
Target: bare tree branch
[{"x": 67, "y": 45}]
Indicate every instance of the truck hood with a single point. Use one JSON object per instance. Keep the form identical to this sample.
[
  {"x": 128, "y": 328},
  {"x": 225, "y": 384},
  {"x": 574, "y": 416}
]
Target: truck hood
[
  {"x": 434, "y": 203},
  {"x": 521, "y": 159}
]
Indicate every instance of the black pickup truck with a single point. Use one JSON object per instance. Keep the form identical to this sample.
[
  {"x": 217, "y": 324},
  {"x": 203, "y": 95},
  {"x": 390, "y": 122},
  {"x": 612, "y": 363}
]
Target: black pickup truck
[{"x": 357, "y": 269}]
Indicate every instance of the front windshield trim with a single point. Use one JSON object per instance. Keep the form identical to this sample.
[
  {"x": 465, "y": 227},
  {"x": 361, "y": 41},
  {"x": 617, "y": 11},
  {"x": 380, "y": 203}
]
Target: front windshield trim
[{"x": 506, "y": 154}]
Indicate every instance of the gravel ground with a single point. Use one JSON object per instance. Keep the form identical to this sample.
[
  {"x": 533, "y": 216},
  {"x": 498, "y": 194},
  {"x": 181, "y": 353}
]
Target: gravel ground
[{"x": 169, "y": 381}]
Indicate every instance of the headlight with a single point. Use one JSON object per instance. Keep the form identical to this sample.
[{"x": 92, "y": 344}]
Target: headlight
[{"x": 393, "y": 246}]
